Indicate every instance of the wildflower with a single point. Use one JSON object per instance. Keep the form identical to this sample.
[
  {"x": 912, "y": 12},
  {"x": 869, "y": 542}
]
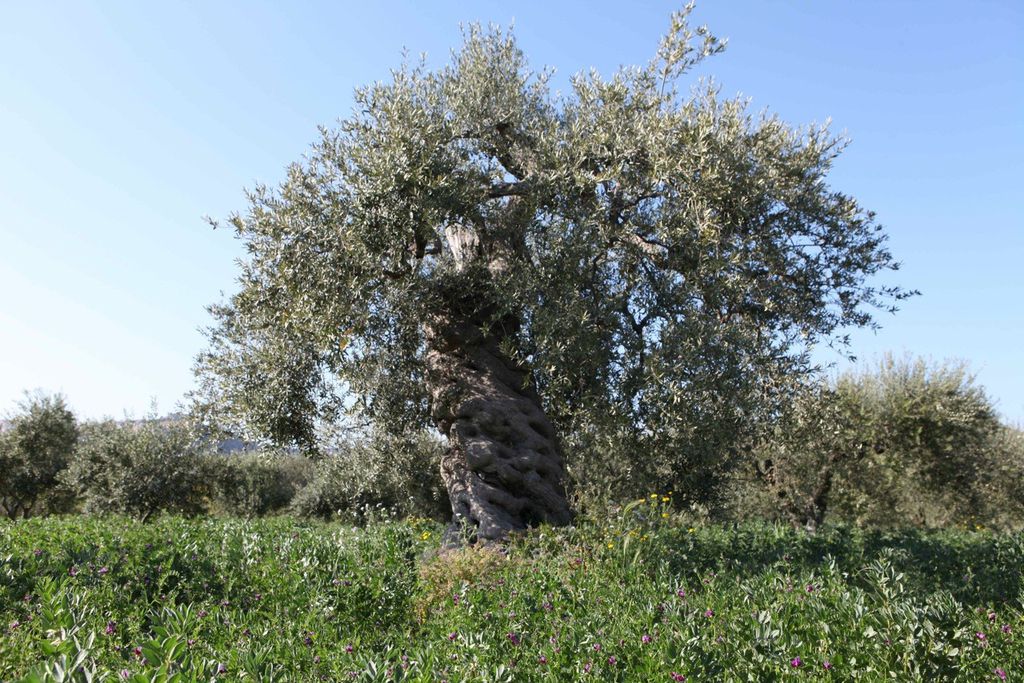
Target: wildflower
[
  {"x": 425, "y": 536},
  {"x": 1006, "y": 628},
  {"x": 645, "y": 638},
  {"x": 512, "y": 638},
  {"x": 611, "y": 545},
  {"x": 349, "y": 649},
  {"x": 453, "y": 635},
  {"x": 708, "y": 613},
  {"x": 125, "y": 673},
  {"x": 796, "y": 662},
  {"x": 222, "y": 669},
  {"x": 37, "y": 552},
  {"x": 981, "y": 637},
  {"x": 810, "y": 588},
  {"x": 102, "y": 571},
  {"x": 1001, "y": 673},
  {"x": 681, "y": 592},
  {"x": 110, "y": 629},
  {"x": 14, "y": 625},
  {"x": 137, "y": 652},
  {"x": 991, "y": 617},
  {"x": 677, "y": 676},
  {"x": 654, "y": 496},
  {"x": 202, "y": 613},
  {"x": 826, "y": 665},
  {"x": 691, "y": 530},
  {"x": 664, "y": 515},
  {"x": 543, "y": 660},
  {"x": 612, "y": 660},
  {"x": 665, "y": 499},
  {"x": 587, "y": 667},
  {"x": 72, "y": 570},
  {"x": 597, "y": 647}
]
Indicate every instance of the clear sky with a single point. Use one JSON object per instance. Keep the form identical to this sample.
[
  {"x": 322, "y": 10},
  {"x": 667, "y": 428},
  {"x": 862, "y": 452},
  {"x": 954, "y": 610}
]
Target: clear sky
[{"x": 122, "y": 124}]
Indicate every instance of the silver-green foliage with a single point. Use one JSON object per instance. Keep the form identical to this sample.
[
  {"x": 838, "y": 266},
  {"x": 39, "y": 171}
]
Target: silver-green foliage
[
  {"x": 34, "y": 449},
  {"x": 903, "y": 442},
  {"x": 379, "y": 475},
  {"x": 670, "y": 257},
  {"x": 138, "y": 468}
]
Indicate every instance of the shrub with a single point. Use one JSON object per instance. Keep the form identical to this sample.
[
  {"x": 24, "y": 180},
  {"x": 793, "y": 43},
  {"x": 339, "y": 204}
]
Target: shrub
[
  {"x": 396, "y": 474},
  {"x": 138, "y": 469},
  {"x": 33, "y": 451},
  {"x": 259, "y": 483}
]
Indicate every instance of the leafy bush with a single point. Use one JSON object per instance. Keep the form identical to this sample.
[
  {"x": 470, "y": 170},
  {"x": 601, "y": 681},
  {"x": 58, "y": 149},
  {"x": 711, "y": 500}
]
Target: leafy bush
[
  {"x": 383, "y": 473},
  {"x": 259, "y": 483},
  {"x": 33, "y": 451},
  {"x": 138, "y": 468}
]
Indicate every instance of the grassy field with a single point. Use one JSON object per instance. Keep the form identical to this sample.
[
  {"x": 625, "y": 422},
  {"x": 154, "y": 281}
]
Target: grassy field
[{"x": 643, "y": 596}]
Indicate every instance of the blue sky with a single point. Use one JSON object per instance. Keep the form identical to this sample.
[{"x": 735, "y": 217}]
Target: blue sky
[{"x": 122, "y": 124}]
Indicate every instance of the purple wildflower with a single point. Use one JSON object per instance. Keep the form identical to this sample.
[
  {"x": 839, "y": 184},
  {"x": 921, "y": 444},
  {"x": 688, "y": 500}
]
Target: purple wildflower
[
  {"x": 1006, "y": 628},
  {"x": 826, "y": 665},
  {"x": 349, "y": 649},
  {"x": 103, "y": 571},
  {"x": 587, "y": 667},
  {"x": 981, "y": 637},
  {"x": 543, "y": 660},
  {"x": 612, "y": 661},
  {"x": 709, "y": 613},
  {"x": 72, "y": 570},
  {"x": 645, "y": 638},
  {"x": 1001, "y": 673},
  {"x": 597, "y": 647},
  {"x": 677, "y": 676},
  {"x": 111, "y": 628},
  {"x": 512, "y": 638},
  {"x": 681, "y": 592},
  {"x": 453, "y": 635},
  {"x": 796, "y": 662}
]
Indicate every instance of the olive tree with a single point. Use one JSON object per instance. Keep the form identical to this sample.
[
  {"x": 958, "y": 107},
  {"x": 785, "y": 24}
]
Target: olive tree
[
  {"x": 903, "y": 441},
  {"x": 34, "y": 449},
  {"x": 625, "y": 265}
]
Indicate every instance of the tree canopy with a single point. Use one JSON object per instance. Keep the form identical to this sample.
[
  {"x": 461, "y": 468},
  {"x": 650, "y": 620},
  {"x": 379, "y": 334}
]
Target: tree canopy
[{"x": 652, "y": 263}]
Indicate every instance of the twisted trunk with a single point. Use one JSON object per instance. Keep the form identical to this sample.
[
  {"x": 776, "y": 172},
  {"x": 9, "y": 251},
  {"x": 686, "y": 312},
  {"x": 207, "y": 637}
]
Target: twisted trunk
[{"x": 504, "y": 469}]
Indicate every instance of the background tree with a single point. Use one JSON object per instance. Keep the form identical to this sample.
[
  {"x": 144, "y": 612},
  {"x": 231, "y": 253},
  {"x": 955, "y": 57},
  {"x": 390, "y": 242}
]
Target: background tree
[
  {"x": 905, "y": 441},
  {"x": 138, "y": 469},
  {"x": 34, "y": 448},
  {"x": 634, "y": 268}
]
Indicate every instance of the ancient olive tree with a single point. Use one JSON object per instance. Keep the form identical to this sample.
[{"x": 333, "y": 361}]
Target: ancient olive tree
[{"x": 625, "y": 264}]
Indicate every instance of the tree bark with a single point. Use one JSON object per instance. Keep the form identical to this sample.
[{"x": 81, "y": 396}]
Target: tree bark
[{"x": 504, "y": 469}]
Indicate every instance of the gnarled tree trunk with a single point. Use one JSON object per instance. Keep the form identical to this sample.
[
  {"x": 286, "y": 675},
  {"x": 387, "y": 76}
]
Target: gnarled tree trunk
[{"x": 504, "y": 469}]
